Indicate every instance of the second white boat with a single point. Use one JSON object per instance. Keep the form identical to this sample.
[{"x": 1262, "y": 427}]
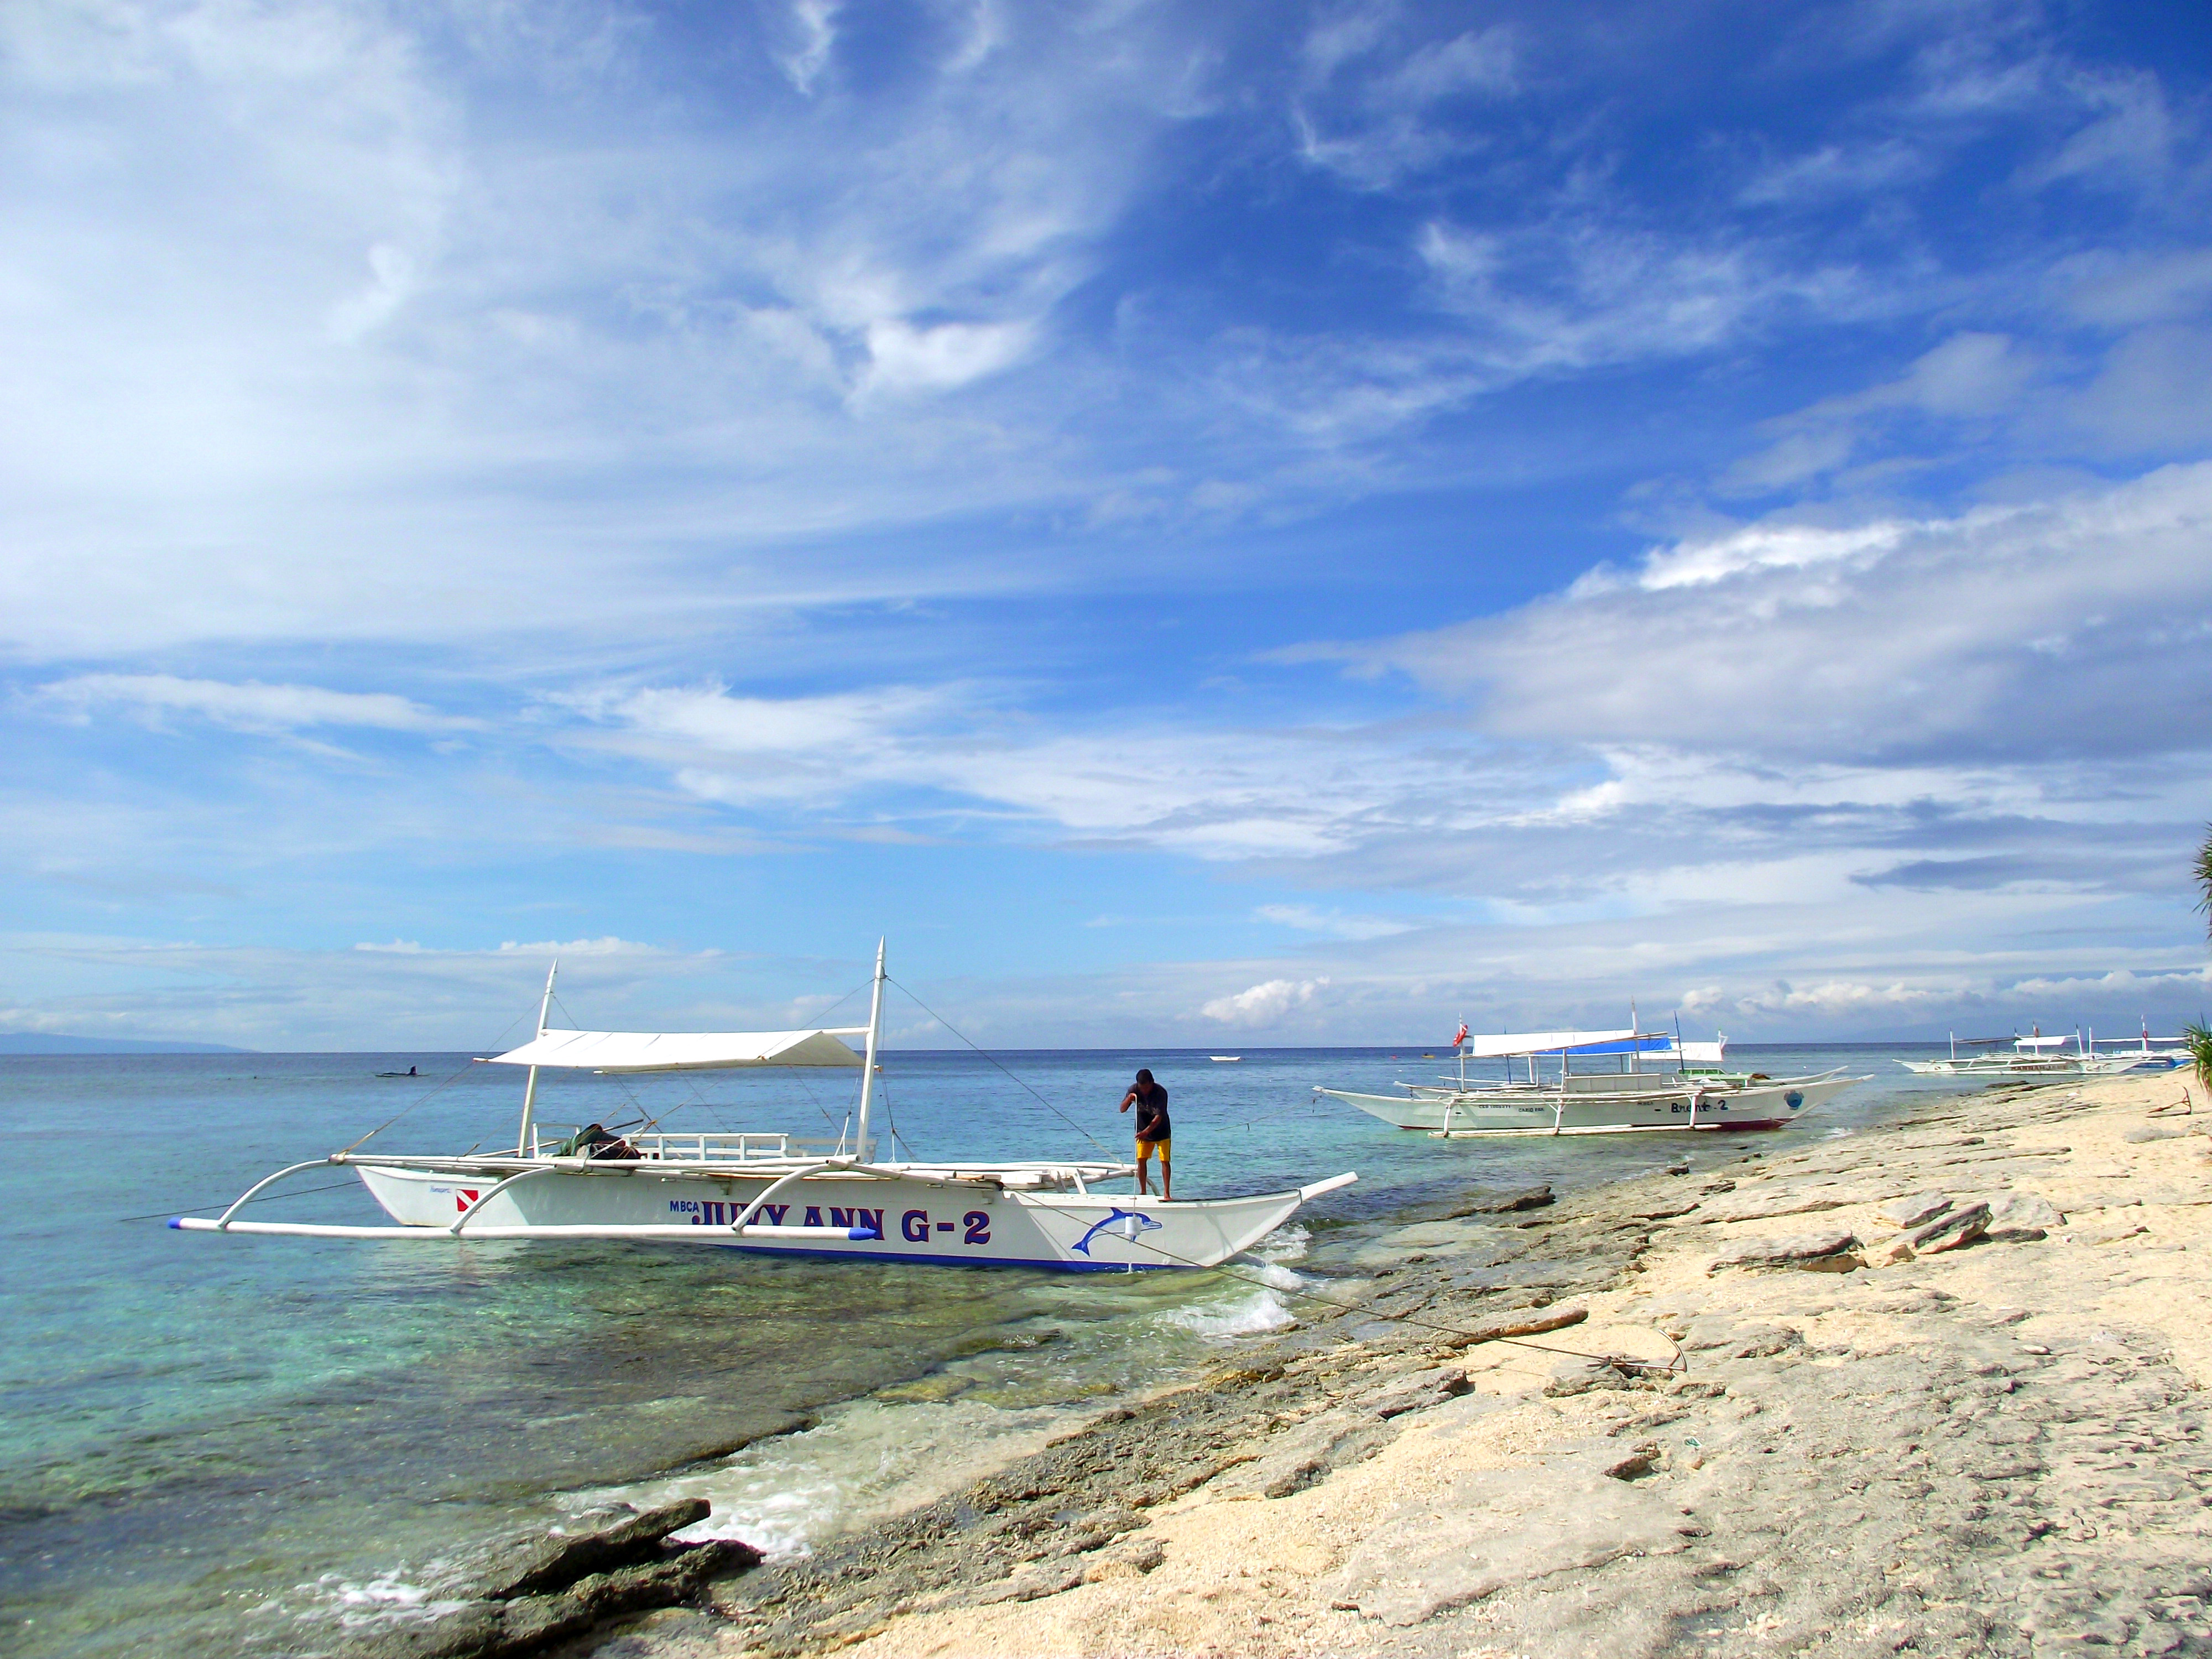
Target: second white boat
[{"x": 1626, "y": 1100}]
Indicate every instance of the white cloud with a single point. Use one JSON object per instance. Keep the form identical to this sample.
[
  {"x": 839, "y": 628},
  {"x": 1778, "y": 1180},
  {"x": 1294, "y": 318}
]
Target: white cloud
[
  {"x": 608, "y": 945},
  {"x": 247, "y": 706},
  {"x": 812, "y": 26},
  {"x": 1265, "y": 1004},
  {"x": 610, "y": 375},
  {"x": 1971, "y": 376},
  {"x": 1335, "y": 923},
  {"x": 1876, "y": 639},
  {"x": 2119, "y": 289},
  {"x": 387, "y": 996},
  {"x": 903, "y": 358},
  {"x": 962, "y": 756},
  {"x": 1835, "y": 169},
  {"x": 1364, "y": 111},
  {"x": 1577, "y": 291},
  {"x": 1835, "y": 999},
  {"x": 2129, "y": 144},
  {"x": 1758, "y": 548}
]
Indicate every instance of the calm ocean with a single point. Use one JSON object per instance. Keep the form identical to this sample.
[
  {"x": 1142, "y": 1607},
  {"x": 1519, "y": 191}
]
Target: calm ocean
[{"x": 217, "y": 1445}]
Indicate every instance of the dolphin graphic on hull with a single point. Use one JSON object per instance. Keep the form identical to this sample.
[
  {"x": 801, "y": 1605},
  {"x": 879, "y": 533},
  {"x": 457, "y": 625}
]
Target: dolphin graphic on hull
[{"x": 1137, "y": 1223}]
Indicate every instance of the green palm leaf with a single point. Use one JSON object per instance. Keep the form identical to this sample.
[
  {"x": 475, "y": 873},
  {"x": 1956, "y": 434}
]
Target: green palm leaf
[
  {"x": 2197, "y": 1038},
  {"x": 2203, "y": 870}
]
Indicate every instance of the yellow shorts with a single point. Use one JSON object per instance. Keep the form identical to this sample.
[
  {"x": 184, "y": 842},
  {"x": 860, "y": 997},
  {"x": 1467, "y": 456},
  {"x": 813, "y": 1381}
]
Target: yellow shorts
[{"x": 1146, "y": 1148}]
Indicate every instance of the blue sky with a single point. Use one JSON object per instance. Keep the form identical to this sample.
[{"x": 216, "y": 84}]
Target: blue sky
[{"x": 1207, "y": 525}]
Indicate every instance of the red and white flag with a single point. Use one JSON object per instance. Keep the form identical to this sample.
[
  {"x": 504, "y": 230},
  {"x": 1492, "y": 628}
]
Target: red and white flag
[{"x": 1462, "y": 1037}]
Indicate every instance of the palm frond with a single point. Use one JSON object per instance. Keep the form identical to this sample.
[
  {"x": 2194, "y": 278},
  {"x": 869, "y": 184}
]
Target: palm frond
[
  {"x": 2203, "y": 870},
  {"x": 2197, "y": 1038}
]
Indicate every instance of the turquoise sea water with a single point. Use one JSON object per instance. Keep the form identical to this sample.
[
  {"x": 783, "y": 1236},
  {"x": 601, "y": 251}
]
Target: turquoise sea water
[{"x": 218, "y": 1445}]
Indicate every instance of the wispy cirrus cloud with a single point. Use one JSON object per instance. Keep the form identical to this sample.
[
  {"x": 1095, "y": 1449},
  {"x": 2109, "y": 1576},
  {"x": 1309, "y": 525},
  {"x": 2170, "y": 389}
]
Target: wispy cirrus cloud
[{"x": 247, "y": 706}]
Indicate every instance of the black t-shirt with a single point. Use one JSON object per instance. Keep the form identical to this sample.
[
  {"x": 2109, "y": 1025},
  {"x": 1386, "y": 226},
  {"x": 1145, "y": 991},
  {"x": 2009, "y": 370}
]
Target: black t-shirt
[{"x": 1151, "y": 1112}]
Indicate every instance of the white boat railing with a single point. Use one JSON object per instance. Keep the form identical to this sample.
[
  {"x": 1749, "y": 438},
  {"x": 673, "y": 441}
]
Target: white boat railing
[{"x": 711, "y": 1148}]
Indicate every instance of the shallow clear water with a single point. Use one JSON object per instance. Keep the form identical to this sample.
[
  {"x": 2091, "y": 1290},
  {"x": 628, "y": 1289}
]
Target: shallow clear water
[{"x": 210, "y": 1444}]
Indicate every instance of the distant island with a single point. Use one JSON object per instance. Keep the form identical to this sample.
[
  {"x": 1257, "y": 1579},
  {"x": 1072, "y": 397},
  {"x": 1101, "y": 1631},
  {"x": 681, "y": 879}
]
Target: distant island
[{"x": 52, "y": 1043}]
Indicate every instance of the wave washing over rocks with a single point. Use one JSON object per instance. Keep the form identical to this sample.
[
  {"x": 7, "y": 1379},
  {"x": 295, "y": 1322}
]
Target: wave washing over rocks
[{"x": 1931, "y": 1387}]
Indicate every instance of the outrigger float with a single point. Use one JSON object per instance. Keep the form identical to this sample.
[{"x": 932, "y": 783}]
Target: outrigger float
[{"x": 772, "y": 1192}]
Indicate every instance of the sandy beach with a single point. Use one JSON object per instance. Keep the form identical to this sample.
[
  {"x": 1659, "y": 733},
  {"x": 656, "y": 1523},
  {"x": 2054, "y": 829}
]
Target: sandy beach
[{"x": 1989, "y": 1443}]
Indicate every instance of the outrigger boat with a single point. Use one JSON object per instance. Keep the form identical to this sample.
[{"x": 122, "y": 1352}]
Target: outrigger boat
[
  {"x": 772, "y": 1193},
  {"x": 2143, "y": 1053},
  {"x": 1695, "y": 1093},
  {"x": 2038, "y": 1058}
]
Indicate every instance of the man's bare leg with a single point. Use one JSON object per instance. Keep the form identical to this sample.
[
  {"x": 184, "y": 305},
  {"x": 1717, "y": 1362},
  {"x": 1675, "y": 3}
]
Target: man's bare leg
[
  {"x": 1144, "y": 1168},
  {"x": 1167, "y": 1178}
]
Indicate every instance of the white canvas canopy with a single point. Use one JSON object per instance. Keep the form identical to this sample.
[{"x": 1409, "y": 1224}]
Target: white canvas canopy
[
  {"x": 1703, "y": 1054},
  {"x": 682, "y": 1051},
  {"x": 2040, "y": 1041},
  {"x": 1540, "y": 1042}
]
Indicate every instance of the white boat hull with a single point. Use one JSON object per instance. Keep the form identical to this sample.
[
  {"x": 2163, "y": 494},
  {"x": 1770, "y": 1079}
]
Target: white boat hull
[
  {"x": 911, "y": 1219},
  {"x": 2005, "y": 1071},
  {"x": 1546, "y": 1113}
]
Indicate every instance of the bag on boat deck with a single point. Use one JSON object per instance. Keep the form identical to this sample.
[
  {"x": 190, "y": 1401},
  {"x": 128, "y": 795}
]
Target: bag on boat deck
[{"x": 594, "y": 1141}]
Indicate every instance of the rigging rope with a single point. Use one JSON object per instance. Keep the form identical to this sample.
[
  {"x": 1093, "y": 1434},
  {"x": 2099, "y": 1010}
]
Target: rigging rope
[
  {"x": 1047, "y": 1105},
  {"x": 432, "y": 1095}
]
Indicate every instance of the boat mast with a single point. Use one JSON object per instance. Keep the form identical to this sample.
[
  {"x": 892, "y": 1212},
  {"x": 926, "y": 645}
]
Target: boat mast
[
  {"x": 868, "y": 1072},
  {"x": 530, "y": 1089}
]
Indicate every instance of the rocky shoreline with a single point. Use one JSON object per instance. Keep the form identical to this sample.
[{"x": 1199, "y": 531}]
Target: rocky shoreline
[{"x": 1931, "y": 1387}]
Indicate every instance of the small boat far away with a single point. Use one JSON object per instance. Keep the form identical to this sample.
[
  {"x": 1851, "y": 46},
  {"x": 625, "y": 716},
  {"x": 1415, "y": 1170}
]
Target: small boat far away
[
  {"x": 1224, "y": 1060},
  {"x": 1690, "y": 1090},
  {"x": 775, "y": 1193}
]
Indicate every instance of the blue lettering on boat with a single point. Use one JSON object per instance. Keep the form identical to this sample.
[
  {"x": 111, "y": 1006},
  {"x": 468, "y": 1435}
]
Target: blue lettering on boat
[{"x": 914, "y": 1226}]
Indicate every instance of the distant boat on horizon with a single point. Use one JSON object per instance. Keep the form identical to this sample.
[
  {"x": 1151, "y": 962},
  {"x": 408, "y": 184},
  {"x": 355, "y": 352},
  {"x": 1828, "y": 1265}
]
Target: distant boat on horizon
[{"x": 1224, "y": 1060}]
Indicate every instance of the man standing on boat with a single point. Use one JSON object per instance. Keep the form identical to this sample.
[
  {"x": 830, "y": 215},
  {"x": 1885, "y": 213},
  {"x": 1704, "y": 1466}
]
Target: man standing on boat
[{"x": 1152, "y": 1131}]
